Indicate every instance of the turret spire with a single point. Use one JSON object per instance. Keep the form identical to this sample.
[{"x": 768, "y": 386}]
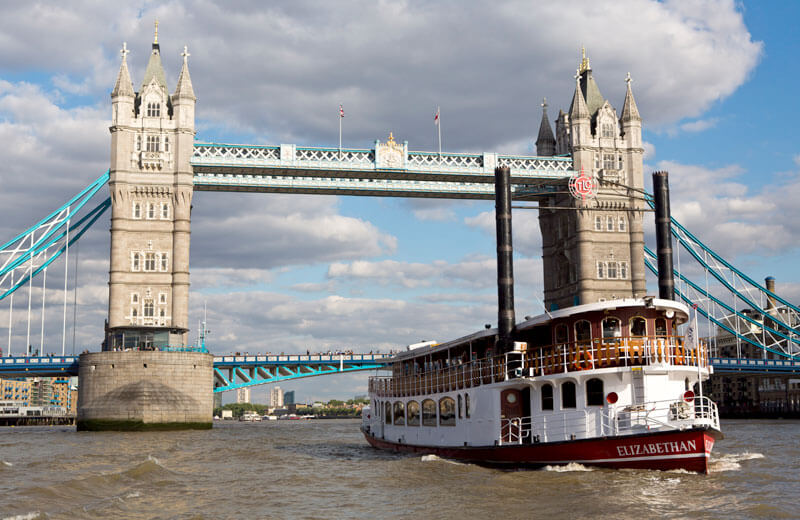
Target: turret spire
[
  {"x": 629, "y": 110},
  {"x": 155, "y": 38},
  {"x": 123, "y": 86},
  {"x": 545, "y": 142},
  {"x": 154, "y": 67},
  {"x": 577, "y": 109},
  {"x": 184, "y": 88}
]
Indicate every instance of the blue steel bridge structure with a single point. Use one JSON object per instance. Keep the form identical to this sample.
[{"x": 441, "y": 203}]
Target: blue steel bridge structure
[{"x": 752, "y": 314}]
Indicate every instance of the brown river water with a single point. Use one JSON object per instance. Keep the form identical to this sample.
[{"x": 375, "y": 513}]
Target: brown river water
[{"x": 324, "y": 469}]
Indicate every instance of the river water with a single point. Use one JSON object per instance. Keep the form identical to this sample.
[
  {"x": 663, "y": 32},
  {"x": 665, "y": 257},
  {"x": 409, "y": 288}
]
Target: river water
[{"x": 324, "y": 469}]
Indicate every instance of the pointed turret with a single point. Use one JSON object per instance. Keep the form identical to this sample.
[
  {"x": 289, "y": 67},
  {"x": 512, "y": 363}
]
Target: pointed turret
[
  {"x": 154, "y": 68},
  {"x": 184, "y": 88},
  {"x": 545, "y": 142},
  {"x": 578, "y": 110},
  {"x": 629, "y": 110},
  {"x": 124, "y": 85}
]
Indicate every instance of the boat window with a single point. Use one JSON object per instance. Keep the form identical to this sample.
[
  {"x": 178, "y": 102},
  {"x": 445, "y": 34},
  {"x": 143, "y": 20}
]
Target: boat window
[
  {"x": 638, "y": 326},
  {"x": 547, "y": 397},
  {"x": 399, "y": 414},
  {"x": 594, "y": 392},
  {"x": 612, "y": 328},
  {"x": 412, "y": 412},
  {"x": 561, "y": 333},
  {"x": 387, "y": 415},
  {"x": 583, "y": 330},
  {"x": 460, "y": 408},
  {"x": 466, "y": 405},
  {"x": 661, "y": 327},
  {"x": 428, "y": 412},
  {"x": 568, "y": 395},
  {"x": 447, "y": 411}
]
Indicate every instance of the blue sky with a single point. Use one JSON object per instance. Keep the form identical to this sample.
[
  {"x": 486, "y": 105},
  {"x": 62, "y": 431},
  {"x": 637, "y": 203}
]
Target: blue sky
[{"x": 712, "y": 78}]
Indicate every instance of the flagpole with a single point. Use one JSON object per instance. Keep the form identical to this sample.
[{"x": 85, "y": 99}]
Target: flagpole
[
  {"x": 439, "y": 126},
  {"x": 340, "y": 130}
]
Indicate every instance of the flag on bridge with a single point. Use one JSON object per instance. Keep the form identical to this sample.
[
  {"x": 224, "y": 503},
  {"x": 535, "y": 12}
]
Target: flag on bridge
[
  {"x": 436, "y": 117},
  {"x": 439, "y": 128},
  {"x": 341, "y": 111}
]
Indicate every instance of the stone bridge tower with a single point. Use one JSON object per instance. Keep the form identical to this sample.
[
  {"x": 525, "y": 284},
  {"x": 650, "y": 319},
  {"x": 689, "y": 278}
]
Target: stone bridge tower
[
  {"x": 594, "y": 250},
  {"x": 152, "y": 135}
]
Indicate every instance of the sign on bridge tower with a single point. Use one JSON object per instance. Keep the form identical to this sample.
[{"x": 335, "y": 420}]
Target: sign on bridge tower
[
  {"x": 593, "y": 250},
  {"x": 152, "y": 135}
]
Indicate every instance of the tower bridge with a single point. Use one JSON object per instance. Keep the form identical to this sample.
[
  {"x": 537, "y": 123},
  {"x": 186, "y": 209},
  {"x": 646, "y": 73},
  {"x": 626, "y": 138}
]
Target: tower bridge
[{"x": 594, "y": 252}]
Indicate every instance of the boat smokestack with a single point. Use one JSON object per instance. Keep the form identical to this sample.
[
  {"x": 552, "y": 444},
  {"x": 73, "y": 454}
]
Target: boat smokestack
[
  {"x": 666, "y": 281},
  {"x": 505, "y": 261}
]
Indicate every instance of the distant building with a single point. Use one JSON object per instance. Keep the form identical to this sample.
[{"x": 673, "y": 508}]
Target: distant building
[
  {"x": 288, "y": 398},
  {"x": 17, "y": 390},
  {"x": 276, "y": 397},
  {"x": 243, "y": 395}
]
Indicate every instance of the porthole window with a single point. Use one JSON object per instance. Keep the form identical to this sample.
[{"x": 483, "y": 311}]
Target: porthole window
[
  {"x": 428, "y": 412},
  {"x": 412, "y": 413},
  {"x": 594, "y": 392},
  {"x": 447, "y": 411},
  {"x": 568, "y": 395},
  {"x": 547, "y": 397}
]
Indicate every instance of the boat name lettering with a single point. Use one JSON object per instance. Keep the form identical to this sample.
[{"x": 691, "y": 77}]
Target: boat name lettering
[{"x": 656, "y": 448}]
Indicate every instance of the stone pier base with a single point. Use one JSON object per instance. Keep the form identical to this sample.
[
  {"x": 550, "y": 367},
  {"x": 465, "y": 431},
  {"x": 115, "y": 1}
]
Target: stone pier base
[{"x": 145, "y": 390}]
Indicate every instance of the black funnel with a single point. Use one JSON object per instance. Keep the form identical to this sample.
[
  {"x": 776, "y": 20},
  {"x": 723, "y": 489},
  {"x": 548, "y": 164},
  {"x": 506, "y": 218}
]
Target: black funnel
[
  {"x": 666, "y": 280},
  {"x": 505, "y": 261}
]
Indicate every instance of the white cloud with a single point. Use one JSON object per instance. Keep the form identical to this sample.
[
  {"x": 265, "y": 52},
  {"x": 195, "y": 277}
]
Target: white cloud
[{"x": 699, "y": 125}]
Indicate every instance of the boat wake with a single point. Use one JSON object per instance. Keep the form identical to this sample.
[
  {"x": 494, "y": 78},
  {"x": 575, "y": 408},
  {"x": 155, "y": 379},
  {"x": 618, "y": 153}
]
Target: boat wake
[
  {"x": 731, "y": 461},
  {"x": 436, "y": 458},
  {"x": 572, "y": 466}
]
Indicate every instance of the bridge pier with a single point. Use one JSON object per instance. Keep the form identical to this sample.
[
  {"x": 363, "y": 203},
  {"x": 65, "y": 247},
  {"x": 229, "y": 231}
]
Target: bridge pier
[{"x": 145, "y": 390}]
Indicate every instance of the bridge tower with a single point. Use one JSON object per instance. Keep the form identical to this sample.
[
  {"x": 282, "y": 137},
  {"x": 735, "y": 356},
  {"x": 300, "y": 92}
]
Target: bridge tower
[
  {"x": 137, "y": 383},
  {"x": 150, "y": 181},
  {"x": 594, "y": 251}
]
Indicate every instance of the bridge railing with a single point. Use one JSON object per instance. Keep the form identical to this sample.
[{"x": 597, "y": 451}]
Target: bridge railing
[{"x": 301, "y": 358}]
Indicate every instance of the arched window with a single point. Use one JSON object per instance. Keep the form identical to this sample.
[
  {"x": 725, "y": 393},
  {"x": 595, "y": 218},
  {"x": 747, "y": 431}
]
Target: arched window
[
  {"x": 148, "y": 308},
  {"x": 611, "y": 268},
  {"x": 153, "y": 143},
  {"x": 447, "y": 411},
  {"x": 428, "y": 412},
  {"x": 623, "y": 224},
  {"x": 601, "y": 269},
  {"x": 568, "y": 395},
  {"x": 547, "y": 397},
  {"x": 594, "y": 392},
  {"x": 137, "y": 210},
  {"x": 661, "y": 327},
  {"x": 638, "y": 326},
  {"x": 134, "y": 312},
  {"x": 166, "y": 146},
  {"x": 412, "y": 413},
  {"x": 466, "y": 405},
  {"x": 151, "y": 210},
  {"x": 387, "y": 413},
  {"x": 612, "y": 328},
  {"x": 609, "y": 222},
  {"x": 139, "y": 143},
  {"x": 165, "y": 210},
  {"x": 399, "y": 414},
  {"x": 561, "y": 333},
  {"x": 460, "y": 408},
  {"x": 135, "y": 262},
  {"x": 598, "y": 223},
  {"x": 583, "y": 330}
]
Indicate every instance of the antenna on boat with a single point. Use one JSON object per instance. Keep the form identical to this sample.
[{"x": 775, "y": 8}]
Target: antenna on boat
[{"x": 505, "y": 259}]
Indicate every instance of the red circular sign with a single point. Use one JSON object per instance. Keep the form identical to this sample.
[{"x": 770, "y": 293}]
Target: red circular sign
[{"x": 583, "y": 186}]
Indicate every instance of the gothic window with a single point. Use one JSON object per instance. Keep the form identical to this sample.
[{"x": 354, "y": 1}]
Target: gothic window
[
  {"x": 162, "y": 313},
  {"x": 598, "y": 223},
  {"x": 164, "y": 262},
  {"x": 152, "y": 143},
  {"x": 134, "y": 298},
  {"x": 134, "y": 314},
  {"x": 150, "y": 262},
  {"x": 623, "y": 270},
  {"x": 135, "y": 262},
  {"x": 608, "y": 130},
  {"x": 148, "y": 309},
  {"x": 612, "y": 270},
  {"x": 619, "y": 162},
  {"x": 153, "y": 109},
  {"x": 166, "y": 143},
  {"x": 165, "y": 210},
  {"x": 601, "y": 268},
  {"x": 597, "y": 161},
  {"x": 609, "y": 223},
  {"x": 162, "y": 298},
  {"x": 138, "y": 143},
  {"x": 608, "y": 161},
  {"x": 151, "y": 210},
  {"x": 622, "y": 224},
  {"x": 137, "y": 210}
]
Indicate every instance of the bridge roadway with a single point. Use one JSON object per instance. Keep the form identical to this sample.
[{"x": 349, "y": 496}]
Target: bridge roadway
[
  {"x": 389, "y": 169},
  {"x": 231, "y": 372}
]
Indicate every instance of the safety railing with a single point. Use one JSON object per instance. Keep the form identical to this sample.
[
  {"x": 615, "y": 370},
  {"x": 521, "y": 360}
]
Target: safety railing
[
  {"x": 615, "y": 352},
  {"x": 547, "y": 427},
  {"x": 667, "y": 414}
]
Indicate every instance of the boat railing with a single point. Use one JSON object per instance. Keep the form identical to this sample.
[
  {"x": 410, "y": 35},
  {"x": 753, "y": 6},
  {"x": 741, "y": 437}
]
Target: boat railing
[
  {"x": 548, "y": 427},
  {"x": 659, "y": 415},
  {"x": 615, "y": 352}
]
